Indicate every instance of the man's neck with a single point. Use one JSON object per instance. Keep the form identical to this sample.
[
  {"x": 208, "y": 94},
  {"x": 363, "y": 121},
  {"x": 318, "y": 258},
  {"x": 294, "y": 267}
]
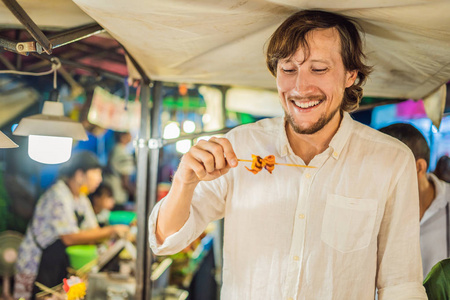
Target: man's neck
[
  {"x": 427, "y": 193},
  {"x": 307, "y": 146}
]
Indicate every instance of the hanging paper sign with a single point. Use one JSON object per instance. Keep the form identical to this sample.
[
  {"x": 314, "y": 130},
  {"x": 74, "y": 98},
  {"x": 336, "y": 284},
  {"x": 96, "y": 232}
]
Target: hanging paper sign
[{"x": 112, "y": 112}]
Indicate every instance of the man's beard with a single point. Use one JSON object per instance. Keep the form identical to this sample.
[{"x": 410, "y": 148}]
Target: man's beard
[{"x": 323, "y": 120}]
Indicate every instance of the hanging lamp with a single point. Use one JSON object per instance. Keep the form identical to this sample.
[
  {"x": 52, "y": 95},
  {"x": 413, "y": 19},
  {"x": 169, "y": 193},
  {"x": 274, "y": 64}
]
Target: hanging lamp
[{"x": 50, "y": 134}]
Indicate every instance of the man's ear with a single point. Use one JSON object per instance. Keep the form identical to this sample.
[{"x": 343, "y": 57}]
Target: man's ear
[
  {"x": 351, "y": 77},
  {"x": 421, "y": 166}
]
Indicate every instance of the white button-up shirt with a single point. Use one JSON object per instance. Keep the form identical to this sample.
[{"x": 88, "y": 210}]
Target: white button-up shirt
[
  {"x": 434, "y": 227},
  {"x": 333, "y": 232}
]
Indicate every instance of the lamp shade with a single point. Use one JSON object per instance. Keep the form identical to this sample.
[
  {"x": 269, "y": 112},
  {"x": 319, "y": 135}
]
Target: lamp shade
[
  {"x": 50, "y": 134},
  {"x": 6, "y": 142},
  {"x": 51, "y": 122}
]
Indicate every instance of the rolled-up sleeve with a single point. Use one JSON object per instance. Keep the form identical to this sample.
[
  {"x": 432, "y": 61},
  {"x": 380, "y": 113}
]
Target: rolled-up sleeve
[
  {"x": 399, "y": 260},
  {"x": 208, "y": 204},
  {"x": 175, "y": 242}
]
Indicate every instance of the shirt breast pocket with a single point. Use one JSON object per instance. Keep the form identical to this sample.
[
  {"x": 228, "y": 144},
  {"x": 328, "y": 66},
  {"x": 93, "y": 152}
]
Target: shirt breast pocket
[{"x": 348, "y": 223}]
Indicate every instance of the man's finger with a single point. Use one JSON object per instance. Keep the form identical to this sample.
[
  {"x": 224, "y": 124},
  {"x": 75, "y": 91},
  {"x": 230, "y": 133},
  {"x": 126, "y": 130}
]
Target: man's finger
[
  {"x": 205, "y": 157},
  {"x": 228, "y": 150},
  {"x": 216, "y": 150}
]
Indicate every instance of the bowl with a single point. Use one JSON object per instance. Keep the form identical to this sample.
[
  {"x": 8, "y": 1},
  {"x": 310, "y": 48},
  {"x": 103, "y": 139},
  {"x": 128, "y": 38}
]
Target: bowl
[
  {"x": 121, "y": 217},
  {"x": 80, "y": 255}
]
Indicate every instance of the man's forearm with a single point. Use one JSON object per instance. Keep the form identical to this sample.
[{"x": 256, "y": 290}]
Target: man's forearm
[{"x": 174, "y": 211}]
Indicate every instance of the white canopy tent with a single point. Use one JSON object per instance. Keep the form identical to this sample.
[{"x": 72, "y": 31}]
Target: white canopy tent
[{"x": 222, "y": 42}]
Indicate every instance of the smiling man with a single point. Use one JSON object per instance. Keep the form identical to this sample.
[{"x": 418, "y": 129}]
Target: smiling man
[{"x": 337, "y": 230}]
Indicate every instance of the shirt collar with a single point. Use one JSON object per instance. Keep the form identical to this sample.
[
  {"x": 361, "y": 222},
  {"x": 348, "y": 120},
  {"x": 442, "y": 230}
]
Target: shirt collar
[
  {"x": 283, "y": 144},
  {"x": 342, "y": 135},
  {"x": 337, "y": 142}
]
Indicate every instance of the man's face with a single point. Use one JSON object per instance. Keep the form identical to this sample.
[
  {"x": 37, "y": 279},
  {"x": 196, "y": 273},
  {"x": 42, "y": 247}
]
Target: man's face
[{"x": 311, "y": 90}]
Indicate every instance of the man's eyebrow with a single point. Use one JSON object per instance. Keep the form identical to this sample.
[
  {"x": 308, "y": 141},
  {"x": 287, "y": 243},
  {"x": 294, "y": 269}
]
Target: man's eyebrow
[
  {"x": 316, "y": 60},
  {"x": 325, "y": 61}
]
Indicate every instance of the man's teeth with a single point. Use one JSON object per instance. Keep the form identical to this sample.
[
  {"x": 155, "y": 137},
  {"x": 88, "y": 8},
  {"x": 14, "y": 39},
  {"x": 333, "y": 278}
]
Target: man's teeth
[{"x": 307, "y": 104}]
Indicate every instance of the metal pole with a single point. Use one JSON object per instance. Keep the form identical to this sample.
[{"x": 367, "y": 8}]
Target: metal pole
[
  {"x": 69, "y": 63},
  {"x": 30, "y": 26},
  {"x": 195, "y": 135},
  {"x": 143, "y": 260},
  {"x": 157, "y": 97},
  {"x": 141, "y": 196},
  {"x": 8, "y": 45},
  {"x": 75, "y": 34}
]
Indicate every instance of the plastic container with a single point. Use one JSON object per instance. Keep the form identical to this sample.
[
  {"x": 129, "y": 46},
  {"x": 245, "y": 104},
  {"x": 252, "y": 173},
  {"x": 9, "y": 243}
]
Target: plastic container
[
  {"x": 79, "y": 255},
  {"x": 121, "y": 217}
]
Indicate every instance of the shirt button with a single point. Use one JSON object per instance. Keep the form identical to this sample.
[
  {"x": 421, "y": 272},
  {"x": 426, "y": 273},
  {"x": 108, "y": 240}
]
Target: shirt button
[
  {"x": 296, "y": 258},
  {"x": 301, "y": 216},
  {"x": 290, "y": 298},
  {"x": 335, "y": 154},
  {"x": 307, "y": 175}
]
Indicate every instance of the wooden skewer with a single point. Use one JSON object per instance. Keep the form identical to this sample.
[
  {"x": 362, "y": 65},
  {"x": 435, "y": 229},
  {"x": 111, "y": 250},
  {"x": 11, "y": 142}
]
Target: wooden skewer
[
  {"x": 86, "y": 268},
  {"x": 48, "y": 290},
  {"x": 290, "y": 165}
]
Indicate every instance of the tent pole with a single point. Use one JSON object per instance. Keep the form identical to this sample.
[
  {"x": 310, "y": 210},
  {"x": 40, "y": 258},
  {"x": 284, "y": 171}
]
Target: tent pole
[
  {"x": 141, "y": 197},
  {"x": 147, "y": 178},
  {"x": 155, "y": 151}
]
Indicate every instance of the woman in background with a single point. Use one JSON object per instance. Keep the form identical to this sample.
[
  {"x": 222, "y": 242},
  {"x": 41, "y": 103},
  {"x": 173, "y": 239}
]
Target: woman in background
[{"x": 63, "y": 217}]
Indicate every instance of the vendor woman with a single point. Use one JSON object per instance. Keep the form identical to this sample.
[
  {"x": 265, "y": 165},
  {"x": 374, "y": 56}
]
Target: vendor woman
[{"x": 63, "y": 217}]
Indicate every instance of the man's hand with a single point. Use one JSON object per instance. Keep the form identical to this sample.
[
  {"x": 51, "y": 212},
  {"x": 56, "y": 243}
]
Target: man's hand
[{"x": 207, "y": 160}]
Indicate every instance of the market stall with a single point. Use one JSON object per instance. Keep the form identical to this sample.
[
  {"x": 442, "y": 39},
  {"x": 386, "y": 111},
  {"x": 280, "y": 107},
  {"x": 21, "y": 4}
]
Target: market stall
[{"x": 222, "y": 43}]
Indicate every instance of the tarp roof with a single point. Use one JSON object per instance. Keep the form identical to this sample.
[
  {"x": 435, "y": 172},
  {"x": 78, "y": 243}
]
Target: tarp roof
[
  {"x": 221, "y": 42},
  {"x": 47, "y": 14}
]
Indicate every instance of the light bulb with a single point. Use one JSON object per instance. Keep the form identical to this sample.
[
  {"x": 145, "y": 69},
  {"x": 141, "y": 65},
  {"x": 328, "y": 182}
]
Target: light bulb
[
  {"x": 49, "y": 149},
  {"x": 188, "y": 126},
  {"x": 171, "y": 131},
  {"x": 183, "y": 146}
]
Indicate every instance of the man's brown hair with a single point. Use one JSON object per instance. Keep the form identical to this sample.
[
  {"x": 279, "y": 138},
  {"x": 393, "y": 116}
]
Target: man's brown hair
[{"x": 292, "y": 34}]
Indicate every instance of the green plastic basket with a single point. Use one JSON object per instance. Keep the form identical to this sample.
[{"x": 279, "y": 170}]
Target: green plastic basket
[
  {"x": 79, "y": 255},
  {"x": 121, "y": 217}
]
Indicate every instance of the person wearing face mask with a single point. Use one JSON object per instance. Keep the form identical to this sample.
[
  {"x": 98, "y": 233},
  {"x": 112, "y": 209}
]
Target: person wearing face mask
[{"x": 63, "y": 217}]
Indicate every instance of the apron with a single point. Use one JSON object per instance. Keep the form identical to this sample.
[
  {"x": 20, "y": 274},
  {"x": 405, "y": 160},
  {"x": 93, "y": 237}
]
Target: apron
[{"x": 54, "y": 262}]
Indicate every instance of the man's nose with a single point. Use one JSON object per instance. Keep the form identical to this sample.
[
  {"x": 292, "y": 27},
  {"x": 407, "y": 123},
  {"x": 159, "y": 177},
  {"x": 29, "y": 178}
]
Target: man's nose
[{"x": 302, "y": 82}]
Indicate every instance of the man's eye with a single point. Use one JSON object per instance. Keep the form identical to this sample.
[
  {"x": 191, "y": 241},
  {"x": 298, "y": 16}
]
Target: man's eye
[
  {"x": 288, "y": 71},
  {"x": 319, "y": 70}
]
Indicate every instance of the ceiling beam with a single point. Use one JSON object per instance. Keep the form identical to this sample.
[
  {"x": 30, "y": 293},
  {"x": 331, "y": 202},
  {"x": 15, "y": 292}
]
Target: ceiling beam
[{"x": 73, "y": 64}]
